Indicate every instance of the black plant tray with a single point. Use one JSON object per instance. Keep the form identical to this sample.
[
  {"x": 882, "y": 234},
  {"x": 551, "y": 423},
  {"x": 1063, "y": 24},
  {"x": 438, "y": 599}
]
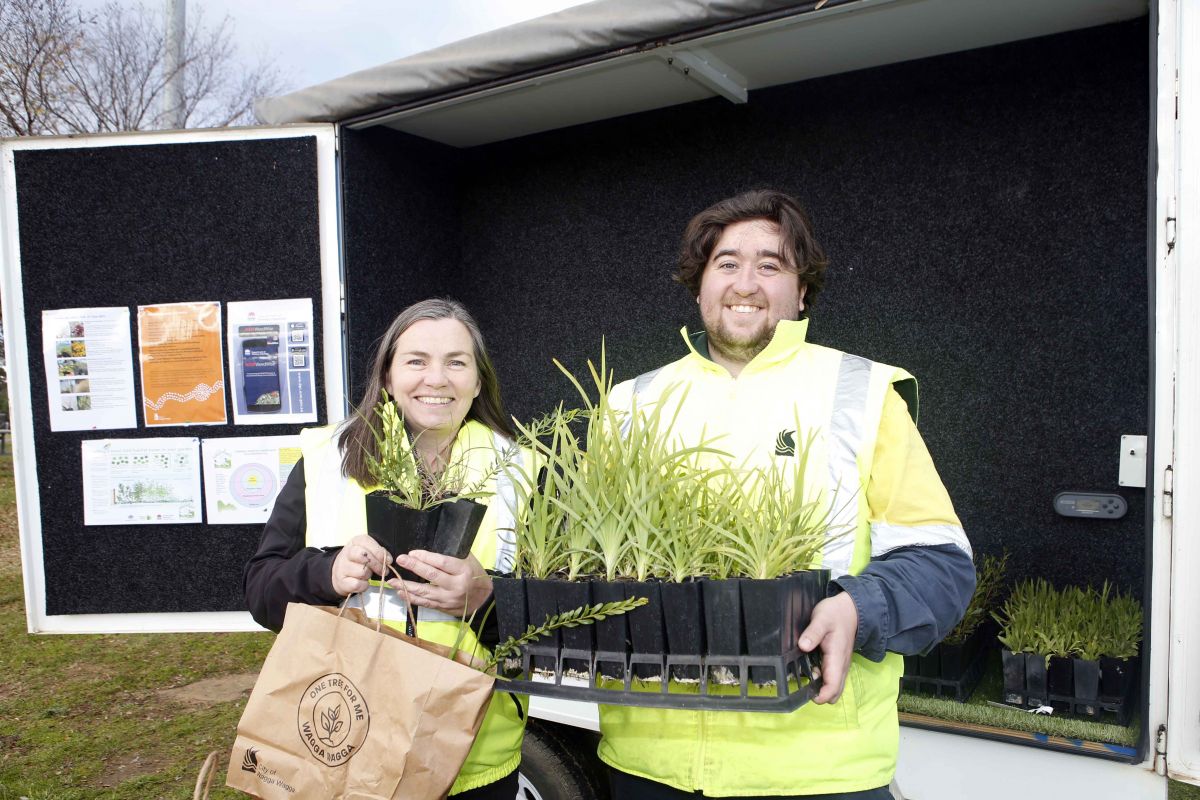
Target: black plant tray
[
  {"x": 797, "y": 680},
  {"x": 1111, "y": 708},
  {"x": 1105, "y": 709},
  {"x": 960, "y": 690}
]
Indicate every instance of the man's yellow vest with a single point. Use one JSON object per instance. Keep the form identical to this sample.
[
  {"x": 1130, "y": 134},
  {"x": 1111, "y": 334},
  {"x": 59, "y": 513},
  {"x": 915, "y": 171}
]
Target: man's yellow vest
[
  {"x": 336, "y": 512},
  {"x": 846, "y": 746}
]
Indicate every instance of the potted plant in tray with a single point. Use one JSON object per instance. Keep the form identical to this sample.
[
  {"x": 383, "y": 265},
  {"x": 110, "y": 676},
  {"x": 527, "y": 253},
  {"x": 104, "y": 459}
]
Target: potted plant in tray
[
  {"x": 952, "y": 658},
  {"x": 772, "y": 530},
  {"x": 414, "y": 509}
]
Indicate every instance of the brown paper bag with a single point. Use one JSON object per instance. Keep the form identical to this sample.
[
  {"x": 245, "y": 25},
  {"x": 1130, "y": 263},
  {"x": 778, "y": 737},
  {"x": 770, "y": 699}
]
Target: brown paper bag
[{"x": 342, "y": 709}]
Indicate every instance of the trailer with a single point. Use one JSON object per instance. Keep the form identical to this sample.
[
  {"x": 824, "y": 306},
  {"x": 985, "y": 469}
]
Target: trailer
[{"x": 1004, "y": 191}]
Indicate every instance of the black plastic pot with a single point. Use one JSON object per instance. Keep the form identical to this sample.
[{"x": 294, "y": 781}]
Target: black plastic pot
[
  {"x": 647, "y": 636},
  {"x": 684, "y": 618},
  {"x": 1087, "y": 678},
  {"x": 956, "y": 659},
  {"x": 775, "y": 613},
  {"x": 1035, "y": 679},
  {"x": 543, "y": 603},
  {"x": 1014, "y": 676},
  {"x": 456, "y": 527},
  {"x": 571, "y": 595},
  {"x": 1116, "y": 677},
  {"x": 953, "y": 659},
  {"x": 930, "y": 664},
  {"x": 768, "y": 622},
  {"x": 512, "y": 609},
  {"x": 612, "y": 633},
  {"x": 399, "y": 529},
  {"x": 722, "y": 603},
  {"x": 1060, "y": 677}
]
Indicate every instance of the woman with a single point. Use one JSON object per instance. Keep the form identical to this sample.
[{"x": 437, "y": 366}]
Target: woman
[{"x": 314, "y": 549}]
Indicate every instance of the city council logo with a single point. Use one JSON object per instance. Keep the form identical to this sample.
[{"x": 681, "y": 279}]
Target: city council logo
[
  {"x": 333, "y": 719},
  {"x": 785, "y": 443}
]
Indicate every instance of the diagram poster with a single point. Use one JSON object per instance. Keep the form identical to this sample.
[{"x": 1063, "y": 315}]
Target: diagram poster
[
  {"x": 141, "y": 481},
  {"x": 89, "y": 369},
  {"x": 183, "y": 378},
  {"x": 243, "y": 476},
  {"x": 272, "y": 361}
]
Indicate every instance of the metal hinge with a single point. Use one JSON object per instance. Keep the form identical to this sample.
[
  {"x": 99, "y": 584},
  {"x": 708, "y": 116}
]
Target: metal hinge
[
  {"x": 1160, "y": 750},
  {"x": 1168, "y": 491},
  {"x": 1171, "y": 220}
]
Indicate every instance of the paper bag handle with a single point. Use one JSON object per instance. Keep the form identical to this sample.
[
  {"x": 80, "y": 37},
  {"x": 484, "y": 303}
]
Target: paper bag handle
[{"x": 408, "y": 607}]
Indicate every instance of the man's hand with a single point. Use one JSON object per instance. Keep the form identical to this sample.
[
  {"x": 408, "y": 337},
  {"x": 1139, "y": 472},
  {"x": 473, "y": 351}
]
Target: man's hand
[
  {"x": 358, "y": 560},
  {"x": 455, "y": 584},
  {"x": 832, "y": 628}
]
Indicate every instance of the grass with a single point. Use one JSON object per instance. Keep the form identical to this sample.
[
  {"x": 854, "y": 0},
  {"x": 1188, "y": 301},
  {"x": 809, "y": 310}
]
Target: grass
[{"x": 85, "y": 717}]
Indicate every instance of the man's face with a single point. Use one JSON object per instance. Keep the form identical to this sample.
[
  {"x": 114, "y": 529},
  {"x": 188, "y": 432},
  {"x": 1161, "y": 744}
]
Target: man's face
[{"x": 746, "y": 289}]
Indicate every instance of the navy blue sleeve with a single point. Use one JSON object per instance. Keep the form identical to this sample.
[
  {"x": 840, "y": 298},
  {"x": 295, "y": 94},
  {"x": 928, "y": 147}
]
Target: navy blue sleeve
[{"x": 909, "y": 598}]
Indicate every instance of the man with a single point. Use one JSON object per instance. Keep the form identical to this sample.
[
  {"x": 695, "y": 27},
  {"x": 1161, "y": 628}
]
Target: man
[{"x": 903, "y": 576}]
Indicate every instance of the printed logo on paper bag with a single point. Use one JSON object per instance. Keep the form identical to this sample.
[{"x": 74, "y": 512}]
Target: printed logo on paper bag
[
  {"x": 250, "y": 761},
  {"x": 333, "y": 719}
]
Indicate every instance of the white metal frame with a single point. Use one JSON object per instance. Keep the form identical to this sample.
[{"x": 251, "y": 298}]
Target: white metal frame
[
  {"x": 1180, "y": 185},
  {"x": 19, "y": 364}
]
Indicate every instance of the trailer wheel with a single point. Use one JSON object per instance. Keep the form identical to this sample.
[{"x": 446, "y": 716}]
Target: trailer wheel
[{"x": 560, "y": 764}]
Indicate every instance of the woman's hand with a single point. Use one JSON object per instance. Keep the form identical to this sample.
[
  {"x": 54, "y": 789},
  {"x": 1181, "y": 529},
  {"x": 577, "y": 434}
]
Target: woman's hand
[
  {"x": 359, "y": 559},
  {"x": 454, "y": 584}
]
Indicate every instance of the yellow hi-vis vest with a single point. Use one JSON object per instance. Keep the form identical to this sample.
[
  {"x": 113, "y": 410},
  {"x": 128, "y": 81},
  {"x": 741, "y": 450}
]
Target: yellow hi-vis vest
[
  {"x": 336, "y": 512},
  {"x": 846, "y": 746}
]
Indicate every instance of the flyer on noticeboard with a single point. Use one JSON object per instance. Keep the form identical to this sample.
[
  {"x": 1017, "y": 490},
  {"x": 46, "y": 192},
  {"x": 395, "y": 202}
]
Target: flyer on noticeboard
[
  {"x": 141, "y": 481},
  {"x": 183, "y": 378},
  {"x": 272, "y": 361},
  {"x": 89, "y": 369},
  {"x": 243, "y": 476}
]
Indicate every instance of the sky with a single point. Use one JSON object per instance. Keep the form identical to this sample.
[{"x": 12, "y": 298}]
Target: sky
[{"x": 316, "y": 40}]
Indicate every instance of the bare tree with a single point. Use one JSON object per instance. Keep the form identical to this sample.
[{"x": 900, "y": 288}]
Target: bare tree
[
  {"x": 107, "y": 72},
  {"x": 36, "y": 39}
]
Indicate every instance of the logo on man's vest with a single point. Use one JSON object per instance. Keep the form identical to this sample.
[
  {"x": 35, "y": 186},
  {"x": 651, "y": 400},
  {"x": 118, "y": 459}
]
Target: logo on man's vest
[
  {"x": 333, "y": 719},
  {"x": 785, "y": 443}
]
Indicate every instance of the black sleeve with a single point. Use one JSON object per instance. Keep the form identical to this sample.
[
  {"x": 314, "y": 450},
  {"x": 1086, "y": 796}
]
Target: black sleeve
[{"x": 284, "y": 570}]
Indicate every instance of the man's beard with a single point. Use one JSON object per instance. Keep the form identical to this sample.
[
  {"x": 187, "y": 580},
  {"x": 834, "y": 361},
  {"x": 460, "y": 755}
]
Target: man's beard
[{"x": 739, "y": 350}]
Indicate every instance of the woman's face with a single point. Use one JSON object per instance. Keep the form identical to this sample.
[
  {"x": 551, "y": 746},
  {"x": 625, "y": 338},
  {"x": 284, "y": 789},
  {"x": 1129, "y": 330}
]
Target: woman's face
[{"x": 433, "y": 376}]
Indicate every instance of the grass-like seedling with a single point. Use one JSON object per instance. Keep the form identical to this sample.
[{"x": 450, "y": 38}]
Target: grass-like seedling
[
  {"x": 616, "y": 497},
  {"x": 767, "y": 523},
  {"x": 1074, "y": 622},
  {"x": 402, "y": 475},
  {"x": 989, "y": 583}
]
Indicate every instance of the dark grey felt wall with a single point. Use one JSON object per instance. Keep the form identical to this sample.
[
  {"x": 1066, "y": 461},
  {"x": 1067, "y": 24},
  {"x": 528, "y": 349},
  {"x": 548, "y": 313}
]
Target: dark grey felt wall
[
  {"x": 139, "y": 225},
  {"x": 402, "y": 243},
  {"x": 985, "y": 218}
]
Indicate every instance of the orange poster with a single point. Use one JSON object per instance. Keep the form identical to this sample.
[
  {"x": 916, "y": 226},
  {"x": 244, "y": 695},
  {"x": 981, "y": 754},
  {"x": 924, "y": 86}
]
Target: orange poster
[{"x": 183, "y": 373}]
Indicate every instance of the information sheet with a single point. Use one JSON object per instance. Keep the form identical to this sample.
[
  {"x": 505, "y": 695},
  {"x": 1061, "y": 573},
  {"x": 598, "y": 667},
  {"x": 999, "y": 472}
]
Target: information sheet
[
  {"x": 272, "y": 361},
  {"x": 183, "y": 377},
  {"x": 243, "y": 476},
  {"x": 89, "y": 369},
  {"x": 141, "y": 481}
]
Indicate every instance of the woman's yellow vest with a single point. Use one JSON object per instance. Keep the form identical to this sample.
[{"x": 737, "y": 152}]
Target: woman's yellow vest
[
  {"x": 846, "y": 746},
  {"x": 336, "y": 512}
]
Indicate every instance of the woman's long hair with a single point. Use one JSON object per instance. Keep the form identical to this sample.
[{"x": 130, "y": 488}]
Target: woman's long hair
[{"x": 358, "y": 439}]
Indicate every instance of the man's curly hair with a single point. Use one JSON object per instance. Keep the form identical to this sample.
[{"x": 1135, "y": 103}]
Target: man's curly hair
[{"x": 800, "y": 248}]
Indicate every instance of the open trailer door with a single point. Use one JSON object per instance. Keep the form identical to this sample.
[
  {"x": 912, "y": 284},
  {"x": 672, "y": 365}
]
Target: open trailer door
[
  {"x": 1180, "y": 245},
  {"x": 96, "y": 228}
]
